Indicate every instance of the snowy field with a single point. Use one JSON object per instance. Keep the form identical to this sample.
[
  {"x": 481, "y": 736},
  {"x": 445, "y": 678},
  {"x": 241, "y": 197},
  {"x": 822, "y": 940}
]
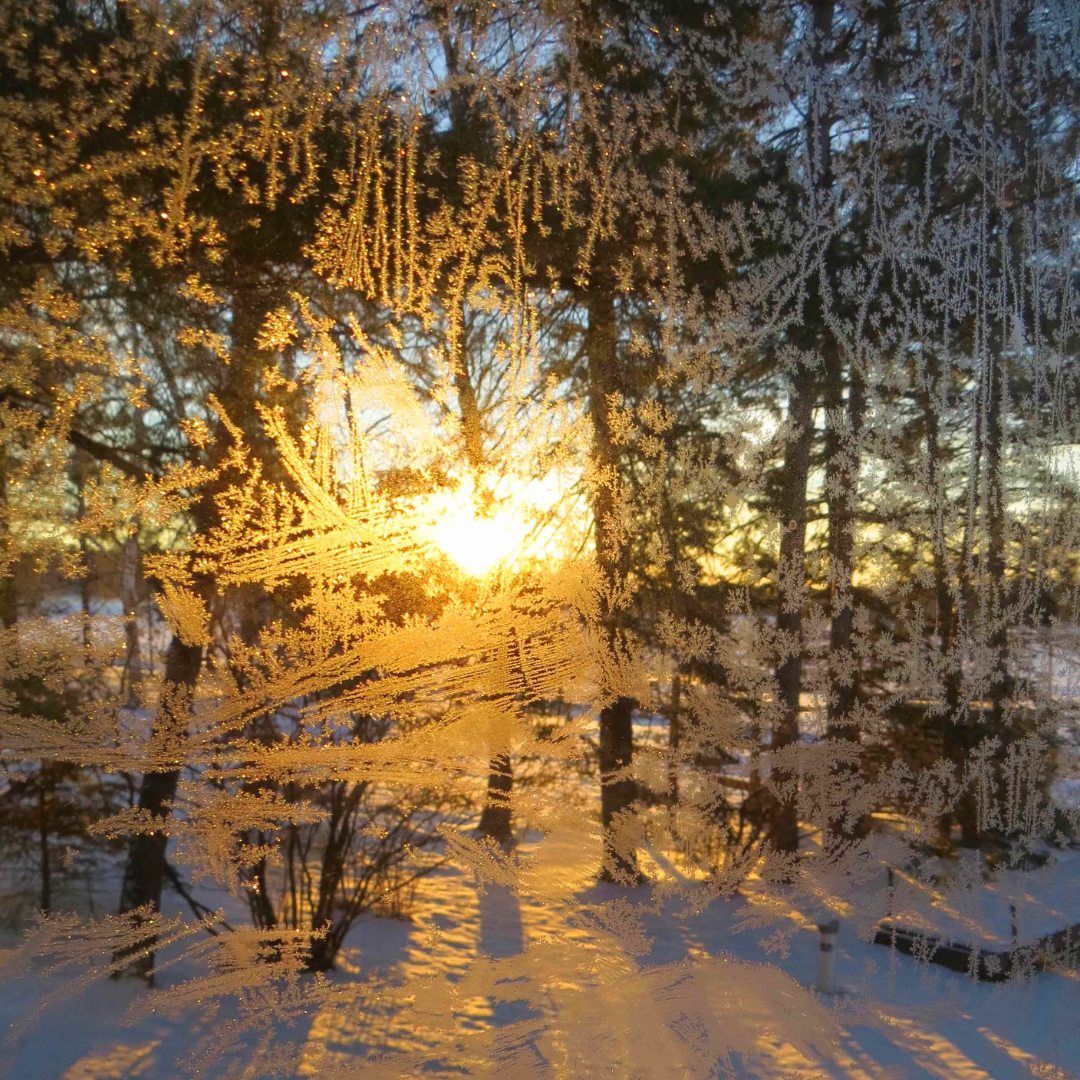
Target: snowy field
[
  {"x": 1044, "y": 900},
  {"x": 504, "y": 982},
  {"x": 894, "y": 1019}
]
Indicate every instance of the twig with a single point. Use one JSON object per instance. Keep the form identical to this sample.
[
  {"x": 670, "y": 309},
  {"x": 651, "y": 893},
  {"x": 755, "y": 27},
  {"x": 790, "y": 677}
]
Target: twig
[{"x": 201, "y": 911}]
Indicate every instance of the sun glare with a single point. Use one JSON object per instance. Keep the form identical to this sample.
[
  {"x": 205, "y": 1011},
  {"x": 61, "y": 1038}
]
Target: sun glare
[
  {"x": 478, "y": 544},
  {"x": 520, "y": 526}
]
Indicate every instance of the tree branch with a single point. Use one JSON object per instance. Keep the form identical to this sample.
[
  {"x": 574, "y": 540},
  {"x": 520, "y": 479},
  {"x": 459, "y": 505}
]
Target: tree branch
[
  {"x": 102, "y": 452},
  {"x": 200, "y": 911}
]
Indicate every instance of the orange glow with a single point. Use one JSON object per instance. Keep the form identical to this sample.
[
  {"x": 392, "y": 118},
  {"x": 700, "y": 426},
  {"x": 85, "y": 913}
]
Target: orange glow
[
  {"x": 478, "y": 544},
  {"x": 520, "y": 525}
]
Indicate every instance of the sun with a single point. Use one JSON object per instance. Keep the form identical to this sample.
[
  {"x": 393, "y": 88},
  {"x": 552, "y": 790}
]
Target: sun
[
  {"x": 478, "y": 544},
  {"x": 515, "y": 525}
]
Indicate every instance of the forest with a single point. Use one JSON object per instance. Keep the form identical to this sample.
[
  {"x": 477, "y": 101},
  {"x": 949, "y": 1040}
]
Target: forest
[{"x": 539, "y": 538}]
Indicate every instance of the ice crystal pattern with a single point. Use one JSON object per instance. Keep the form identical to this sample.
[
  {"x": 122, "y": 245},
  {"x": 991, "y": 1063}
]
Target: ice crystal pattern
[{"x": 604, "y": 463}]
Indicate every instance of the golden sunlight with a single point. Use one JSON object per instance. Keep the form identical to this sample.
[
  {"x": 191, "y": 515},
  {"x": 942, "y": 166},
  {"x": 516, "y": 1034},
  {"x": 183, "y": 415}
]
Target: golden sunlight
[
  {"x": 524, "y": 521},
  {"x": 478, "y": 544}
]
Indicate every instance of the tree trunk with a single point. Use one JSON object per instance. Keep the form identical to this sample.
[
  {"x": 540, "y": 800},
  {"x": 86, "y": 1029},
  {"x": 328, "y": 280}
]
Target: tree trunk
[
  {"x": 617, "y": 794},
  {"x": 616, "y": 720},
  {"x": 78, "y": 470},
  {"x": 783, "y": 814},
  {"x": 959, "y": 733},
  {"x": 9, "y": 607},
  {"x": 841, "y": 461},
  {"x": 932, "y": 396},
  {"x": 496, "y": 820},
  {"x": 145, "y": 868},
  {"x": 129, "y": 598},
  {"x": 674, "y": 738},
  {"x": 43, "y": 837},
  {"x": 144, "y": 872},
  {"x": 842, "y": 487},
  {"x": 1002, "y": 684},
  {"x": 843, "y": 467}
]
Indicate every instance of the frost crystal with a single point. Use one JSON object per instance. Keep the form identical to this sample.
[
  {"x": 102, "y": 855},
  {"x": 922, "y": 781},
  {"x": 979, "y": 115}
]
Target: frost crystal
[{"x": 514, "y": 515}]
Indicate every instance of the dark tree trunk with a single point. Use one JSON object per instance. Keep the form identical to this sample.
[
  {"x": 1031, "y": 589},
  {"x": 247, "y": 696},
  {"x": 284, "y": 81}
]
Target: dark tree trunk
[
  {"x": 144, "y": 872},
  {"x": 842, "y": 464},
  {"x": 84, "y": 596},
  {"x": 617, "y": 795},
  {"x": 43, "y": 837},
  {"x": 496, "y": 820},
  {"x": 943, "y": 595},
  {"x": 674, "y": 738},
  {"x": 78, "y": 469},
  {"x": 323, "y": 954},
  {"x": 842, "y": 461},
  {"x": 145, "y": 869},
  {"x": 842, "y": 487},
  {"x": 965, "y": 735},
  {"x": 129, "y": 596},
  {"x": 472, "y": 431},
  {"x": 844, "y": 467},
  {"x": 783, "y": 812},
  {"x": 1002, "y": 684},
  {"x": 959, "y": 731},
  {"x": 9, "y": 617},
  {"x": 9, "y": 607},
  {"x": 616, "y": 721}
]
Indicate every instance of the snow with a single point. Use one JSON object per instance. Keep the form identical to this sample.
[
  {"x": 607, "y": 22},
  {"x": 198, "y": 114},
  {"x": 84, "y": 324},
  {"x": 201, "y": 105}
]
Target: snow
[
  {"x": 1066, "y": 792},
  {"x": 1050, "y": 657},
  {"x": 456, "y": 962},
  {"x": 1046, "y": 900},
  {"x": 446, "y": 980},
  {"x": 445, "y": 983}
]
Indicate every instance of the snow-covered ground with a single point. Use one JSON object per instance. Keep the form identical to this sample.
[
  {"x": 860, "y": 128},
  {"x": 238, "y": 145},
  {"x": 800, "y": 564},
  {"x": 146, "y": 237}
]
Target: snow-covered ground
[
  {"x": 615, "y": 987},
  {"x": 564, "y": 977},
  {"x": 1050, "y": 657},
  {"x": 980, "y": 913}
]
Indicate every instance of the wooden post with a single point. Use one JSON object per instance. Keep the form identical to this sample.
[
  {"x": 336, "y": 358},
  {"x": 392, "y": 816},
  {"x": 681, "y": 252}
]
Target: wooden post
[{"x": 826, "y": 956}]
